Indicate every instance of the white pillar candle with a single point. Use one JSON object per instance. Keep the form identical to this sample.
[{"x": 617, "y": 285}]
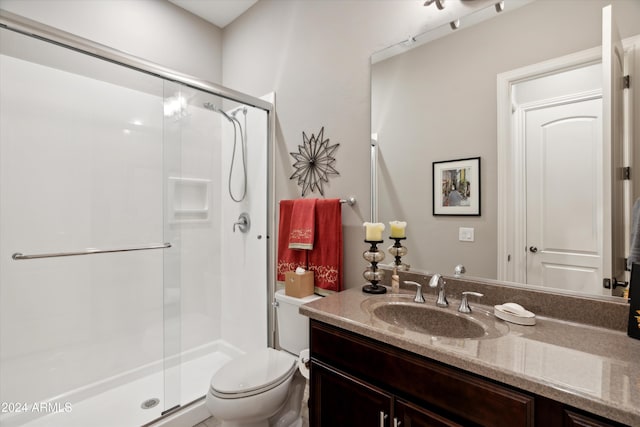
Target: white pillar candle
[
  {"x": 373, "y": 231},
  {"x": 398, "y": 229}
]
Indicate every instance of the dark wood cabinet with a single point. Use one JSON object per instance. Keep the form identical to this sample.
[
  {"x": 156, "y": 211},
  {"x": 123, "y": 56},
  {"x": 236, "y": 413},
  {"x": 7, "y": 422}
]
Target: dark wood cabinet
[
  {"x": 340, "y": 400},
  {"x": 357, "y": 381}
]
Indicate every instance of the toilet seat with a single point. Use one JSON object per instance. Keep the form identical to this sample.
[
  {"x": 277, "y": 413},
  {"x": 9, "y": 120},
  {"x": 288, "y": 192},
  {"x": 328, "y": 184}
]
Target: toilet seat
[{"x": 252, "y": 374}]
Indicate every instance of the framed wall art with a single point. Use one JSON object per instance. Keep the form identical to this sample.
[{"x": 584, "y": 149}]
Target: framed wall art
[{"x": 456, "y": 187}]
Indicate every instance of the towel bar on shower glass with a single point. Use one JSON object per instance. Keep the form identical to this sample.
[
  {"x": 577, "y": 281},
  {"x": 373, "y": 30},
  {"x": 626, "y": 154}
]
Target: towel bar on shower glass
[{"x": 90, "y": 251}]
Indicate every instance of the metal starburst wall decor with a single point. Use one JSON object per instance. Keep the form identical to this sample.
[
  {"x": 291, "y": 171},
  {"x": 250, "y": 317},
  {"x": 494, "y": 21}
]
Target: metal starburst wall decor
[{"x": 314, "y": 162}]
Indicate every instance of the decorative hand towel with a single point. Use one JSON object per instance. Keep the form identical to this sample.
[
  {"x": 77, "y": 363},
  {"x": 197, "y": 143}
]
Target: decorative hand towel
[
  {"x": 325, "y": 260},
  {"x": 288, "y": 259},
  {"x": 302, "y": 228},
  {"x": 634, "y": 245}
]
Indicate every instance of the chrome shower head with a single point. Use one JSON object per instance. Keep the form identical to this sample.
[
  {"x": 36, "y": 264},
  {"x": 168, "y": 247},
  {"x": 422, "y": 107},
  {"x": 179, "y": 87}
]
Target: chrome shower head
[{"x": 210, "y": 106}]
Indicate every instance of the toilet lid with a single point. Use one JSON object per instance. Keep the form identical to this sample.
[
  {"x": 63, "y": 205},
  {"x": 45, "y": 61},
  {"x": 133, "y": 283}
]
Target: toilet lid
[{"x": 253, "y": 372}]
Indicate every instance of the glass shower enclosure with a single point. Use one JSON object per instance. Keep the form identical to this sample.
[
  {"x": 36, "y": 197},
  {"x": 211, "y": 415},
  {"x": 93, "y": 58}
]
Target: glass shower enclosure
[{"x": 124, "y": 281}]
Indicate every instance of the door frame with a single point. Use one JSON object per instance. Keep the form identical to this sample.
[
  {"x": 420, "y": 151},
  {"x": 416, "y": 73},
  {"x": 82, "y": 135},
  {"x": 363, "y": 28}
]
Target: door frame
[{"x": 511, "y": 176}]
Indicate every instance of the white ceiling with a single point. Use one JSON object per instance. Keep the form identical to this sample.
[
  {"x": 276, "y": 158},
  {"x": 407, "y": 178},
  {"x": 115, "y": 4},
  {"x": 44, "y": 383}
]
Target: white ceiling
[{"x": 218, "y": 12}]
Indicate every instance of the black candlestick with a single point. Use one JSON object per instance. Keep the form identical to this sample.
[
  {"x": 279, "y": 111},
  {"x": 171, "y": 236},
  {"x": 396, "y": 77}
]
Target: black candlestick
[
  {"x": 372, "y": 273},
  {"x": 398, "y": 251}
]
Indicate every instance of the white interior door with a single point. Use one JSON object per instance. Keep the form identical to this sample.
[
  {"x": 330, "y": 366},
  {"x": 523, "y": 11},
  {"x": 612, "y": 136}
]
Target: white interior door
[{"x": 563, "y": 149}]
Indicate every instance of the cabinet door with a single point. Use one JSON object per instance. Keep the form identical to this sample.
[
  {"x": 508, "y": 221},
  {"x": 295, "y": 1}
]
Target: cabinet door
[
  {"x": 410, "y": 415},
  {"x": 573, "y": 419},
  {"x": 337, "y": 400}
]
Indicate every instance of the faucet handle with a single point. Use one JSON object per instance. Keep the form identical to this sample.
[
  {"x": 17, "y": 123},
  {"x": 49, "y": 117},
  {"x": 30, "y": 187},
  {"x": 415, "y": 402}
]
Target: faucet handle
[
  {"x": 419, "y": 297},
  {"x": 464, "y": 304}
]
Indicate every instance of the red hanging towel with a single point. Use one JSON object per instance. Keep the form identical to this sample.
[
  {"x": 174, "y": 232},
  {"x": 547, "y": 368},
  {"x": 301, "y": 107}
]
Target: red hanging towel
[
  {"x": 325, "y": 260},
  {"x": 302, "y": 228},
  {"x": 288, "y": 259}
]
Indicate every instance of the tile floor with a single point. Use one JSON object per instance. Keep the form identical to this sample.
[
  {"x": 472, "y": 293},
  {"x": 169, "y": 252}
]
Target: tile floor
[{"x": 212, "y": 422}]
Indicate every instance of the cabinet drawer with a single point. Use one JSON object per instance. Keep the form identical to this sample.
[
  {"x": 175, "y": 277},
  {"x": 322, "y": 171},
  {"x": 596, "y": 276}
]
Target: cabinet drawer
[
  {"x": 420, "y": 380},
  {"x": 573, "y": 419},
  {"x": 410, "y": 415}
]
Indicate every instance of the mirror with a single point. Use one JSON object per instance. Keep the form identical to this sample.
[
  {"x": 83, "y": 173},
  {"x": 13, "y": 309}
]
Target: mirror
[{"x": 436, "y": 101}]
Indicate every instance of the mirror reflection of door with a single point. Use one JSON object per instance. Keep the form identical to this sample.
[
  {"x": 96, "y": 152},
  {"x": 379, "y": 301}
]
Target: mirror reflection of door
[{"x": 563, "y": 146}]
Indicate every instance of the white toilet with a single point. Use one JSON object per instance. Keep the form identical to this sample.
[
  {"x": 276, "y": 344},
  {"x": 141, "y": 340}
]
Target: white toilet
[{"x": 264, "y": 388}]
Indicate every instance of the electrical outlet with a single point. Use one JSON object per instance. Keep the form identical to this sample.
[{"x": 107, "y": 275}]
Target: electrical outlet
[{"x": 465, "y": 234}]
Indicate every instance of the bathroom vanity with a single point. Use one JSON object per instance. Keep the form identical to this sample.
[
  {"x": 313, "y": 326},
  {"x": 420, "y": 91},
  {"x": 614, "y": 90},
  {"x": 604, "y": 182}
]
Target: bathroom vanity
[{"x": 368, "y": 371}]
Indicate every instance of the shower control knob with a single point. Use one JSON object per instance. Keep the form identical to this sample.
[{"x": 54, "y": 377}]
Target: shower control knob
[
  {"x": 533, "y": 249},
  {"x": 243, "y": 224}
]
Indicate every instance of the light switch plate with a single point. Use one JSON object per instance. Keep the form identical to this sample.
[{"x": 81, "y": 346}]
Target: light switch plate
[{"x": 465, "y": 234}]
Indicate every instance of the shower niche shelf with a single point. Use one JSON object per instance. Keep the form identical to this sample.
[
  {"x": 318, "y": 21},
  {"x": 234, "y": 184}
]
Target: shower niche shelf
[{"x": 188, "y": 199}]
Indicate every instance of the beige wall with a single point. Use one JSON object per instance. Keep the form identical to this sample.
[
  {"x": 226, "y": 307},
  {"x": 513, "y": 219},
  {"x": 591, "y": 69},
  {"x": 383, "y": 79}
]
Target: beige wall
[
  {"x": 157, "y": 31},
  {"x": 315, "y": 56}
]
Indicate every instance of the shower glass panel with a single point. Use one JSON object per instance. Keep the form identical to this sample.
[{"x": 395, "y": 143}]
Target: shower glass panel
[
  {"x": 83, "y": 339},
  {"x": 221, "y": 273}
]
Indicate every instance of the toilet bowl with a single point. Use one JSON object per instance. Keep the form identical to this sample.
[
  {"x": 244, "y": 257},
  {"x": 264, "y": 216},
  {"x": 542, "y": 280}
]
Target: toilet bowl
[
  {"x": 252, "y": 388},
  {"x": 264, "y": 388}
]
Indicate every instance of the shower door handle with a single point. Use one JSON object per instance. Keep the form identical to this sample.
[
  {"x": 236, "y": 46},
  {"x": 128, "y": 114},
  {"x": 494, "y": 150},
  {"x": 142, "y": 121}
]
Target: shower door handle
[{"x": 91, "y": 251}]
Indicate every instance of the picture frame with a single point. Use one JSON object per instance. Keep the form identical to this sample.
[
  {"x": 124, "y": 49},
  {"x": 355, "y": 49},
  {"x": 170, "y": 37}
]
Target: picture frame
[{"x": 456, "y": 187}]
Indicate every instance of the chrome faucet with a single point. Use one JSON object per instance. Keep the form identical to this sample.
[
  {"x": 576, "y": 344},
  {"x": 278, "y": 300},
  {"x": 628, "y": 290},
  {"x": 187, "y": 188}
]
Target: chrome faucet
[
  {"x": 419, "y": 297},
  {"x": 438, "y": 282}
]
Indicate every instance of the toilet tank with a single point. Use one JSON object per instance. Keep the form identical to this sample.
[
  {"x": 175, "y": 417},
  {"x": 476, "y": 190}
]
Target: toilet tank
[{"x": 293, "y": 327}]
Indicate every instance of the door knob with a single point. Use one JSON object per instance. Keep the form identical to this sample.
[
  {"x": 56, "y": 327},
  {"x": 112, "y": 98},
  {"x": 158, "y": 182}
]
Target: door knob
[{"x": 533, "y": 249}]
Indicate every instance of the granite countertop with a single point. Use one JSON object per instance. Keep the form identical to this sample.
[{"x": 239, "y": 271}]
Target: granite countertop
[{"x": 587, "y": 367}]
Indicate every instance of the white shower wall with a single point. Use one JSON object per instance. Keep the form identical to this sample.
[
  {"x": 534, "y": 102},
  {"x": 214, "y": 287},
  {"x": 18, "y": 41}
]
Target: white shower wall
[
  {"x": 243, "y": 273},
  {"x": 200, "y": 240}
]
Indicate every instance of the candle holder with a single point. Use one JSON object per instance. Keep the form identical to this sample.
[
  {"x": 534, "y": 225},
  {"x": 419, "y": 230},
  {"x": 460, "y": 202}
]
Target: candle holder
[
  {"x": 398, "y": 251},
  {"x": 372, "y": 273}
]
